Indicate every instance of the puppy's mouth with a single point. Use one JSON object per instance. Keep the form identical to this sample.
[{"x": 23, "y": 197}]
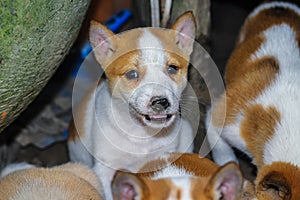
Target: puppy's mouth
[
  {"x": 154, "y": 119},
  {"x": 158, "y": 120},
  {"x": 158, "y": 117}
]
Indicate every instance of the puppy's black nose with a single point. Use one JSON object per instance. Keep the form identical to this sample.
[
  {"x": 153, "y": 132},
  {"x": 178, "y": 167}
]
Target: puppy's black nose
[{"x": 159, "y": 104}]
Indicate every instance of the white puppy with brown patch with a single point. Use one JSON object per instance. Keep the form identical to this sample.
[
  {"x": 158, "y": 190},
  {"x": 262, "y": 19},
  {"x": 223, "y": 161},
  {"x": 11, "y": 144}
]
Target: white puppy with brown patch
[
  {"x": 262, "y": 100},
  {"x": 134, "y": 115}
]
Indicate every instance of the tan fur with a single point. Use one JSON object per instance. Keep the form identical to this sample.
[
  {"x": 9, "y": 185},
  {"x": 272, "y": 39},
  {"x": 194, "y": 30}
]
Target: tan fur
[
  {"x": 258, "y": 128},
  {"x": 69, "y": 181},
  {"x": 116, "y": 70},
  {"x": 157, "y": 189}
]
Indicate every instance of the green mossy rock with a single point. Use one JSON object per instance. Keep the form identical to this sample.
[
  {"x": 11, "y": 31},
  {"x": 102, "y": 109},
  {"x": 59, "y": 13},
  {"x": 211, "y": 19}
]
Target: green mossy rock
[{"x": 35, "y": 36}]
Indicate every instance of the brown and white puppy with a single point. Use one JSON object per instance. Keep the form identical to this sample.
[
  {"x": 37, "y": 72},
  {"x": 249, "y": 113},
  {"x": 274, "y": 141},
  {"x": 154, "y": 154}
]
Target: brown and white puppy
[
  {"x": 68, "y": 181},
  {"x": 133, "y": 115},
  {"x": 189, "y": 177},
  {"x": 262, "y": 100}
]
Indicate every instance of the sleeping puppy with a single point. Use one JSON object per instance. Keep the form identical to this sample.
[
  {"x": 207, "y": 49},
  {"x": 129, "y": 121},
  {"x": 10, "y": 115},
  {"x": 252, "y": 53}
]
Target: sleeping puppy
[
  {"x": 182, "y": 177},
  {"x": 68, "y": 182},
  {"x": 262, "y": 101},
  {"x": 133, "y": 115}
]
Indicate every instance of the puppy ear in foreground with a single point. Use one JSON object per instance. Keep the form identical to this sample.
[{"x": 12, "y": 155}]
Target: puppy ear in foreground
[
  {"x": 101, "y": 40},
  {"x": 274, "y": 186},
  {"x": 127, "y": 186},
  {"x": 185, "y": 25},
  {"x": 226, "y": 184}
]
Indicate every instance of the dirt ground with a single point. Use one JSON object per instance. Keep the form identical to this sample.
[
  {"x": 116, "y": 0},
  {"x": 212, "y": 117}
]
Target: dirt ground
[{"x": 227, "y": 17}]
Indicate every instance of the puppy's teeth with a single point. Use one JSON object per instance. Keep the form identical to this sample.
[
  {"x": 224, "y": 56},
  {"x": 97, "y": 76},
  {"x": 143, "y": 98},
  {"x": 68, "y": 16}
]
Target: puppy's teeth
[{"x": 158, "y": 116}]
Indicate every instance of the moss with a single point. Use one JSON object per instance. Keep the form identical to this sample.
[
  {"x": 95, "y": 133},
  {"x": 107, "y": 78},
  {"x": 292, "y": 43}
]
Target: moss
[{"x": 35, "y": 35}]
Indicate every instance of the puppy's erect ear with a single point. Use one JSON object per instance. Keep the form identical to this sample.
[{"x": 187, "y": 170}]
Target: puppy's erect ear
[
  {"x": 226, "y": 183},
  {"x": 185, "y": 25},
  {"x": 101, "y": 40},
  {"x": 127, "y": 186}
]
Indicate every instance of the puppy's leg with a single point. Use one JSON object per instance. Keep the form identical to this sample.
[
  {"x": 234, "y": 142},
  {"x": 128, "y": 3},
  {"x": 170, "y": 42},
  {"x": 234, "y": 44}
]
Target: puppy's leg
[
  {"x": 105, "y": 175},
  {"x": 221, "y": 151}
]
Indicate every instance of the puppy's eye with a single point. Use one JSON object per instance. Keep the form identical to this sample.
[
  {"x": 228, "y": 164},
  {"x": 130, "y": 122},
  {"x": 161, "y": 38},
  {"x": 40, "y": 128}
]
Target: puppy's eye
[
  {"x": 172, "y": 69},
  {"x": 132, "y": 74}
]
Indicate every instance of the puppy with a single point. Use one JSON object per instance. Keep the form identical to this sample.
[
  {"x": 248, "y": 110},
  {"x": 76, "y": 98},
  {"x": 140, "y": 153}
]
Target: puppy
[
  {"x": 188, "y": 177},
  {"x": 133, "y": 115},
  {"x": 262, "y": 97},
  {"x": 68, "y": 181}
]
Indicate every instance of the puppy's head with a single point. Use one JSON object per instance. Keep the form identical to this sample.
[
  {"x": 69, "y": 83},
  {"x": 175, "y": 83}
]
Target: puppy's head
[
  {"x": 147, "y": 67},
  {"x": 226, "y": 183},
  {"x": 278, "y": 181}
]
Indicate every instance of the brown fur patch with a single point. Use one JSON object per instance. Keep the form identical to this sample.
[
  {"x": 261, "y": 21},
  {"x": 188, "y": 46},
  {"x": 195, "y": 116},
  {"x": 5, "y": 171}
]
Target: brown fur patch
[
  {"x": 199, "y": 166},
  {"x": 197, "y": 188},
  {"x": 239, "y": 62},
  {"x": 278, "y": 181},
  {"x": 181, "y": 63},
  {"x": 257, "y": 128},
  {"x": 190, "y": 162},
  {"x": 270, "y": 17},
  {"x": 158, "y": 189},
  {"x": 259, "y": 76},
  {"x": 116, "y": 71}
]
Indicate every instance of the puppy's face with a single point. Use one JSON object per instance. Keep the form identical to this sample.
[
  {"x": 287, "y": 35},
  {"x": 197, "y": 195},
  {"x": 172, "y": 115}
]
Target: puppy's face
[{"x": 147, "y": 68}]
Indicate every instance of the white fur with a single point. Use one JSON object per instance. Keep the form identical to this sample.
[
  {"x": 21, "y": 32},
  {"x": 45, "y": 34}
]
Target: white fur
[
  {"x": 283, "y": 94},
  {"x": 179, "y": 177},
  {"x": 151, "y": 49},
  {"x": 171, "y": 171},
  {"x": 222, "y": 144},
  {"x": 185, "y": 188}
]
